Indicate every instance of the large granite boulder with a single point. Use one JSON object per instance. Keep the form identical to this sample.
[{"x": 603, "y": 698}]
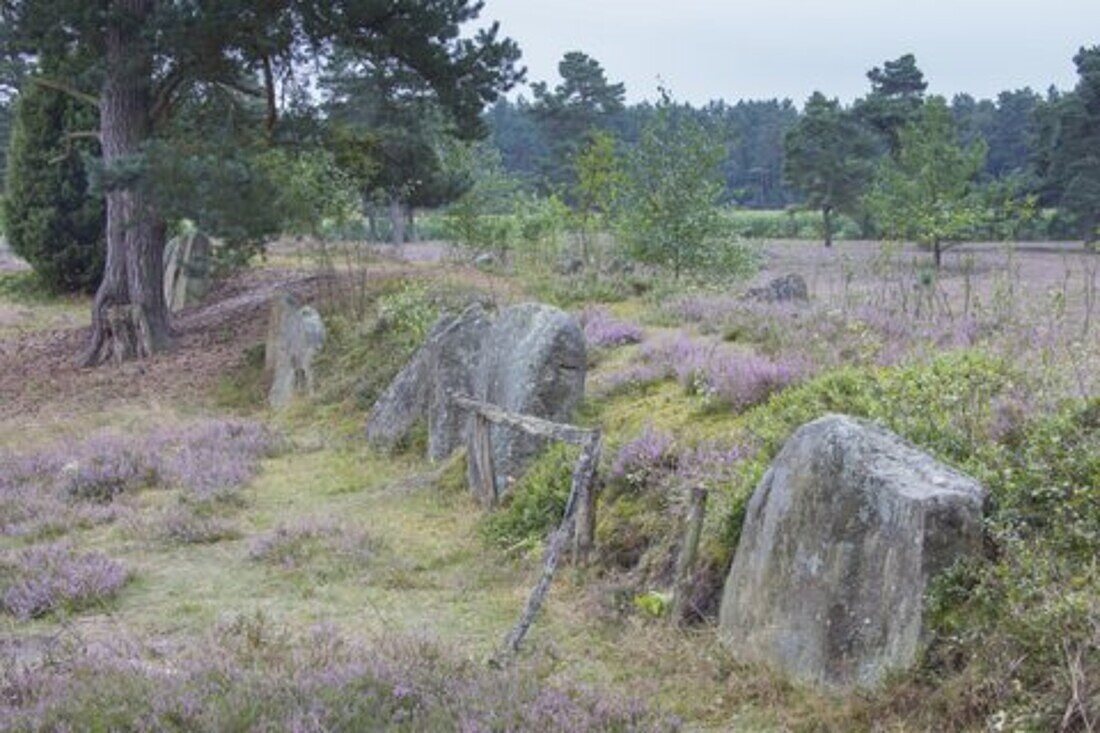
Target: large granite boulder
[
  {"x": 786, "y": 289},
  {"x": 188, "y": 265},
  {"x": 294, "y": 337},
  {"x": 839, "y": 543},
  {"x": 444, "y": 365},
  {"x": 533, "y": 362}
]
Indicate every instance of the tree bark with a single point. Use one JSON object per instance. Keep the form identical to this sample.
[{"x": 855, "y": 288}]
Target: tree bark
[
  {"x": 937, "y": 253},
  {"x": 129, "y": 316},
  {"x": 827, "y": 218},
  {"x": 397, "y": 222}
]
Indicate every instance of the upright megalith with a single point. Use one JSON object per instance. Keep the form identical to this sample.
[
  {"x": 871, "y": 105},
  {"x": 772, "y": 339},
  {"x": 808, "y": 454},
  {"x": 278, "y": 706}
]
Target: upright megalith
[
  {"x": 529, "y": 359},
  {"x": 454, "y": 362},
  {"x": 295, "y": 335},
  {"x": 188, "y": 264},
  {"x": 789, "y": 288},
  {"x": 421, "y": 391},
  {"x": 839, "y": 543},
  {"x": 533, "y": 362}
]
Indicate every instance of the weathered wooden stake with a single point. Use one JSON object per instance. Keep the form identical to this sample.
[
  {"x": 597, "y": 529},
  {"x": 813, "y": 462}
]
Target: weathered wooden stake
[
  {"x": 482, "y": 456},
  {"x": 584, "y": 538},
  {"x": 685, "y": 563}
]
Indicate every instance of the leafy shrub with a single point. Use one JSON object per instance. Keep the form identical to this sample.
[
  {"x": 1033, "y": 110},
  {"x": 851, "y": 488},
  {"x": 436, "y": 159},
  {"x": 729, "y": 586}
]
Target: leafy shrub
[
  {"x": 537, "y": 501},
  {"x": 51, "y": 218}
]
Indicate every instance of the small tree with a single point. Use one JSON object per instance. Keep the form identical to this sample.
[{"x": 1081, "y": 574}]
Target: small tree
[
  {"x": 52, "y": 220},
  {"x": 673, "y": 188},
  {"x": 928, "y": 192},
  {"x": 600, "y": 181},
  {"x": 829, "y": 158}
]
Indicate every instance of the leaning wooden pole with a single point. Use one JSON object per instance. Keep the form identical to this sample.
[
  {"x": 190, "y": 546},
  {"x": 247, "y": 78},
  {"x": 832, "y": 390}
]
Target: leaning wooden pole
[
  {"x": 583, "y": 476},
  {"x": 581, "y": 494}
]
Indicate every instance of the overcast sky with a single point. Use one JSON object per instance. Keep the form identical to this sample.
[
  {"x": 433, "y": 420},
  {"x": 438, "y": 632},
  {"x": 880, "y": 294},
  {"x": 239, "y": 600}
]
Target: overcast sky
[{"x": 732, "y": 49}]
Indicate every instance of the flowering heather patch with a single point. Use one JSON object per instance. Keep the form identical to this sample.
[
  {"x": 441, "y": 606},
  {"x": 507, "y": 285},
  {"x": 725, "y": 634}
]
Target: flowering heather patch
[
  {"x": 602, "y": 330},
  {"x": 51, "y": 488},
  {"x": 711, "y": 462},
  {"x": 251, "y": 677},
  {"x": 44, "y": 578},
  {"x": 651, "y": 452},
  {"x": 725, "y": 374},
  {"x": 292, "y": 546},
  {"x": 705, "y": 309},
  {"x": 212, "y": 457},
  {"x": 654, "y": 456},
  {"x": 185, "y": 525}
]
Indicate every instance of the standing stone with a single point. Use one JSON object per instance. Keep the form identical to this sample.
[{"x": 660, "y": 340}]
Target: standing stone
[
  {"x": 839, "y": 543},
  {"x": 786, "y": 289},
  {"x": 443, "y": 365},
  {"x": 187, "y": 270},
  {"x": 295, "y": 335},
  {"x": 533, "y": 362},
  {"x": 454, "y": 359}
]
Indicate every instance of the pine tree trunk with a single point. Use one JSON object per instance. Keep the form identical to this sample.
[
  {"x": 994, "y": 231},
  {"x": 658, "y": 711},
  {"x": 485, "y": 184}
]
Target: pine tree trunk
[
  {"x": 937, "y": 253},
  {"x": 827, "y": 217},
  {"x": 129, "y": 317},
  {"x": 397, "y": 222}
]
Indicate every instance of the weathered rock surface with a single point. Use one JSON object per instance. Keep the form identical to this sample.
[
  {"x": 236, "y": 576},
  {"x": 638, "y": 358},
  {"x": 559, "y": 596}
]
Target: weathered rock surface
[
  {"x": 839, "y": 543},
  {"x": 454, "y": 358},
  {"x": 444, "y": 364},
  {"x": 187, "y": 270},
  {"x": 533, "y": 362},
  {"x": 295, "y": 335},
  {"x": 785, "y": 289}
]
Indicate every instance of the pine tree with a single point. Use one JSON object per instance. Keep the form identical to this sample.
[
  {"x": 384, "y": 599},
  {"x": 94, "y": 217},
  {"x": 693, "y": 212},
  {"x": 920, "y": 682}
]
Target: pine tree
[
  {"x": 150, "y": 54},
  {"x": 829, "y": 158}
]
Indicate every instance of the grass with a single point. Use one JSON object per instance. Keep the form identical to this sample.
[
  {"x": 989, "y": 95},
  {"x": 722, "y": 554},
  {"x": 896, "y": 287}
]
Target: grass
[{"x": 26, "y": 307}]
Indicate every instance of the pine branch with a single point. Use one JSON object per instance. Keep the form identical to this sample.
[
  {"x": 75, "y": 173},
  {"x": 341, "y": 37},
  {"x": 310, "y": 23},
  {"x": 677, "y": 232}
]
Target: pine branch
[{"x": 60, "y": 86}]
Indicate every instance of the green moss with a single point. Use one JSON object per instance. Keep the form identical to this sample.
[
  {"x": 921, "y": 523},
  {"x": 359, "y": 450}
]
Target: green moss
[{"x": 242, "y": 388}]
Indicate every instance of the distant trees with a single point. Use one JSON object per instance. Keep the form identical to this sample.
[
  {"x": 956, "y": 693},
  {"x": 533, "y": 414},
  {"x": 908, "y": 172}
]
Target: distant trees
[
  {"x": 927, "y": 192},
  {"x": 830, "y": 158},
  {"x": 1073, "y": 134},
  {"x": 392, "y": 134}
]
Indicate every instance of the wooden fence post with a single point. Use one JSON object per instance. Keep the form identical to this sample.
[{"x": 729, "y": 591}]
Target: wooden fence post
[
  {"x": 584, "y": 536},
  {"x": 685, "y": 563}
]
